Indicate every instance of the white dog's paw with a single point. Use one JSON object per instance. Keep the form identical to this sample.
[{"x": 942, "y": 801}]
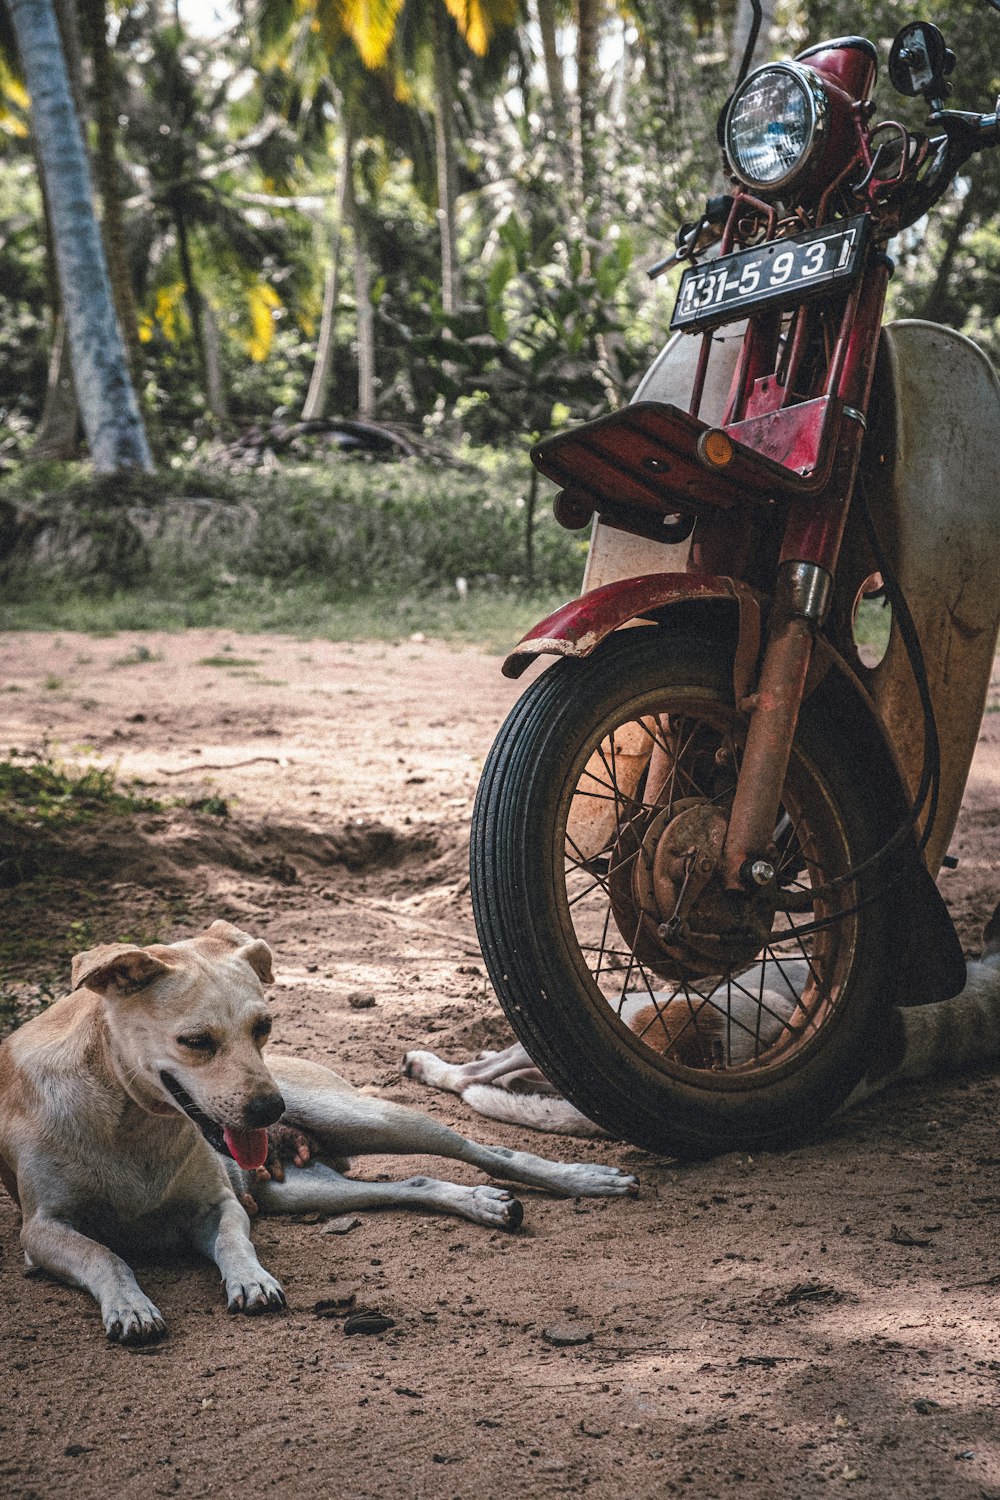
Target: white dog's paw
[
  {"x": 133, "y": 1321},
  {"x": 418, "y": 1064},
  {"x": 495, "y": 1207},
  {"x": 255, "y": 1292},
  {"x": 587, "y": 1179}
]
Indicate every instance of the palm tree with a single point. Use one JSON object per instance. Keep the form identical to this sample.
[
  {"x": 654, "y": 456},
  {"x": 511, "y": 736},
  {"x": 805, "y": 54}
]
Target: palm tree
[
  {"x": 324, "y": 74},
  {"x": 108, "y": 406},
  {"x": 421, "y": 33}
]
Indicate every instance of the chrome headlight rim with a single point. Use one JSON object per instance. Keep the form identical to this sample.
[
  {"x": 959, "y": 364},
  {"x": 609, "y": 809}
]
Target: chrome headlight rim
[{"x": 818, "y": 109}]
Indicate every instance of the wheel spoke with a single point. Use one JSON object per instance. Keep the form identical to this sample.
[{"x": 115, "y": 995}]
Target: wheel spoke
[{"x": 739, "y": 1017}]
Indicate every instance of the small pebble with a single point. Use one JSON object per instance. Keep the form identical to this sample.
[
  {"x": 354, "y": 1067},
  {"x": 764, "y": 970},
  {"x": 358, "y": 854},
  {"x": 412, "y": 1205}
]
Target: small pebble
[
  {"x": 368, "y": 1322},
  {"x": 343, "y": 1225},
  {"x": 360, "y": 1000},
  {"x": 564, "y": 1335}
]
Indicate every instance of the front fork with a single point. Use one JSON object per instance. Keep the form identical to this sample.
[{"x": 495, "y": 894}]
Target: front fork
[
  {"x": 803, "y": 587},
  {"x": 801, "y": 601}
]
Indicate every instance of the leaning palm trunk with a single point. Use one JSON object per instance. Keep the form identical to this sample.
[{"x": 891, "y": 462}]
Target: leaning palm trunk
[
  {"x": 362, "y": 294},
  {"x": 444, "y": 147},
  {"x": 326, "y": 350},
  {"x": 106, "y": 174},
  {"x": 108, "y": 406}
]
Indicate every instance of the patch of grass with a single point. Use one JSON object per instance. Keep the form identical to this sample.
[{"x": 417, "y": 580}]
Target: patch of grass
[
  {"x": 228, "y": 661},
  {"x": 35, "y": 788},
  {"x": 214, "y": 805},
  {"x": 344, "y": 529},
  {"x": 491, "y": 619},
  {"x": 137, "y": 657},
  {"x": 872, "y": 625}
]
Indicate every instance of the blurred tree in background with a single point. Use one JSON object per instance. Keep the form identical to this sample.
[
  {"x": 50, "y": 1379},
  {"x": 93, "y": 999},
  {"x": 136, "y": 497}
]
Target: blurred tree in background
[{"x": 434, "y": 213}]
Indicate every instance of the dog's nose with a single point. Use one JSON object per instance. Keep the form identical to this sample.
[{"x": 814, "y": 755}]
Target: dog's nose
[{"x": 264, "y": 1110}]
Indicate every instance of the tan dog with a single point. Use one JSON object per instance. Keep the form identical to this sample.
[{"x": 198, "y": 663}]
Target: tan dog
[
  {"x": 134, "y": 1112},
  {"x": 918, "y": 1043}
]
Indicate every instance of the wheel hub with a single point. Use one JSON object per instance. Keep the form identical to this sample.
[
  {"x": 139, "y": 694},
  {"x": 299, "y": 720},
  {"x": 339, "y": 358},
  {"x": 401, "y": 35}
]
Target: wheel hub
[{"x": 669, "y": 901}]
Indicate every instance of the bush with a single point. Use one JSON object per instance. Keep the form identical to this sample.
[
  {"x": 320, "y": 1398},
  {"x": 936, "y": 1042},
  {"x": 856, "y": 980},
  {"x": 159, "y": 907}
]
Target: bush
[{"x": 346, "y": 528}]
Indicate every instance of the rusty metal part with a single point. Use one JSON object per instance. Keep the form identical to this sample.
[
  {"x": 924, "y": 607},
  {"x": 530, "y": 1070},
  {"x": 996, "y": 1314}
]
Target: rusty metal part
[
  {"x": 668, "y": 902},
  {"x": 687, "y": 854},
  {"x": 806, "y": 591},
  {"x": 579, "y": 626},
  {"x": 769, "y": 745}
]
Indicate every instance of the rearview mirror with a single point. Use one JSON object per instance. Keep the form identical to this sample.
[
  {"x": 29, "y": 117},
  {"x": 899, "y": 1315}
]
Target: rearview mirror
[{"x": 920, "y": 62}]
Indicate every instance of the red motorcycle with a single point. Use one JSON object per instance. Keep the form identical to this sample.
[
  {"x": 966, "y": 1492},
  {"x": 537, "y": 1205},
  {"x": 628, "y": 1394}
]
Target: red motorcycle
[{"x": 705, "y": 840}]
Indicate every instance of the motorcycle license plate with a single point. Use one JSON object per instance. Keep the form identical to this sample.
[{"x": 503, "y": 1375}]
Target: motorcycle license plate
[{"x": 780, "y": 273}]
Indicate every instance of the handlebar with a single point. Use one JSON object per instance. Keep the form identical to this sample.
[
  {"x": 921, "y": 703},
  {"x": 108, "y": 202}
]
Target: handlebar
[{"x": 965, "y": 133}]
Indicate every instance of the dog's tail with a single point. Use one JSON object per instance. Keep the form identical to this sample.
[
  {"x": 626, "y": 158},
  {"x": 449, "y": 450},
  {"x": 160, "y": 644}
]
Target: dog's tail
[{"x": 533, "y": 1111}]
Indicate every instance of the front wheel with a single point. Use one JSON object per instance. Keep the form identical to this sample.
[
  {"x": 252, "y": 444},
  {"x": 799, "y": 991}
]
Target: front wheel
[{"x": 676, "y": 1015}]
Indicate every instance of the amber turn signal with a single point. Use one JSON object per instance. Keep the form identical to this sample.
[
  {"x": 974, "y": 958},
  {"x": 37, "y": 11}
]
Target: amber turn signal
[{"x": 715, "y": 448}]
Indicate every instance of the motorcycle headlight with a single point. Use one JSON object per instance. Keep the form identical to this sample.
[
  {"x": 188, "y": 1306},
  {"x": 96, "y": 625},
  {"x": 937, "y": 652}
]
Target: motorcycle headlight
[{"x": 776, "y": 125}]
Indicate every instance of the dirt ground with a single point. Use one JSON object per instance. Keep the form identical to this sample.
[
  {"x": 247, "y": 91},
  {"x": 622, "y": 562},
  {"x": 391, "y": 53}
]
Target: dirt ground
[{"x": 818, "y": 1321}]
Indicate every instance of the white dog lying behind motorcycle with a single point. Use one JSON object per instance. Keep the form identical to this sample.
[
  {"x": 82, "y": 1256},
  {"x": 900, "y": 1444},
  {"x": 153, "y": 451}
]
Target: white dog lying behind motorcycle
[
  {"x": 133, "y": 1117},
  {"x": 921, "y": 1042}
]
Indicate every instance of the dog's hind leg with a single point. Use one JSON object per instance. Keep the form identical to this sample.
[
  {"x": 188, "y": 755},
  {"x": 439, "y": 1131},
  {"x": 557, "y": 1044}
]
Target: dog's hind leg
[
  {"x": 455, "y": 1078},
  {"x": 348, "y": 1123},
  {"x": 317, "y": 1188}
]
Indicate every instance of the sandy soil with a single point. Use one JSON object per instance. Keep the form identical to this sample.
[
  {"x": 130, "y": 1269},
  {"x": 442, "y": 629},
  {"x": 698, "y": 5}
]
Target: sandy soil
[{"x": 755, "y": 1326}]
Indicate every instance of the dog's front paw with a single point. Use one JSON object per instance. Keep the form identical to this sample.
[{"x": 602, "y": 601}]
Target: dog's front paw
[
  {"x": 254, "y": 1293},
  {"x": 136, "y": 1321},
  {"x": 496, "y": 1208}
]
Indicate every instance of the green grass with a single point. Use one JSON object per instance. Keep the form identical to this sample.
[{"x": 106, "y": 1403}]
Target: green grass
[
  {"x": 342, "y": 550},
  {"x": 871, "y": 627},
  {"x": 37, "y": 789},
  {"x": 492, "y": 620}
]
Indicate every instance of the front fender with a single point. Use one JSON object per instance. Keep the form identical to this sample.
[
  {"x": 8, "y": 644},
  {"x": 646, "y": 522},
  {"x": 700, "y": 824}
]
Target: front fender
[{"x": 580, "y": 626}]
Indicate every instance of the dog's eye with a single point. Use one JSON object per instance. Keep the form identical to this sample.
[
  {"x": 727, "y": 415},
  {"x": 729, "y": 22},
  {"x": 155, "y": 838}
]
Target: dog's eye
[
  {"x": 199, "y": 1042},
  {"x": 262, "y": 1031}
]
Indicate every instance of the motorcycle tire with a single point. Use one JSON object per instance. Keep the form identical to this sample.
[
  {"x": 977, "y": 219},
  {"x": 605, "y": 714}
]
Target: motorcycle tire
[{"x": 727, "y": 1057}]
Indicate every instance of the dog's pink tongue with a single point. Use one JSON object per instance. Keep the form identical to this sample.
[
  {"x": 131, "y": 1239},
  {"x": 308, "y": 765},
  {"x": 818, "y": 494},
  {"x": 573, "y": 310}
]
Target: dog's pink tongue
[{"x": 248, "y": 1147}]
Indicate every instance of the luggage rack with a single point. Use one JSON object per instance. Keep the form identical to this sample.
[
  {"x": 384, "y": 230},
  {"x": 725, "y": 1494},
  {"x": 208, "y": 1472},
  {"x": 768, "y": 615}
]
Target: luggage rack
[{"x": 652, "y": 468}]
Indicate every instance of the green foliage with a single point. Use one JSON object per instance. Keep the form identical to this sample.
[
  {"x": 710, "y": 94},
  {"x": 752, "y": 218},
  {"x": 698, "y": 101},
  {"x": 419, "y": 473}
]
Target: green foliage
[
  {"x": 36, "y": 789},
  {"x": 228, "y": 150},
  {"x": 341, "y": 548}
]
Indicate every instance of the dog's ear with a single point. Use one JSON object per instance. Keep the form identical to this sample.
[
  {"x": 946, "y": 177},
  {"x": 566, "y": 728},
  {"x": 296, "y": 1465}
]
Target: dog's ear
[
  {"x": 259, "y": 956},
  {"x": 253, "y": 951},
  {"x": 119, "y": 967}
]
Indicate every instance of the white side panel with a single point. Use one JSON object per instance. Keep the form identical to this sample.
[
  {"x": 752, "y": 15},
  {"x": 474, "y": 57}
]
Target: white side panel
[
  {"x": 615, "y": 554},
  {"x": 940, "y": 518}
]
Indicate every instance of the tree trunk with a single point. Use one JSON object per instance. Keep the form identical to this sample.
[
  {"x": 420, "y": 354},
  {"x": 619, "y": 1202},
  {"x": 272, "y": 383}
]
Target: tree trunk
[
  {"x": 546, "y": 10},
  {"x": 319, "y": 385},
  {"x": 935, "y": 308},
  {"x": 108, "y": 406},
  {"x": 362, "y": 291},
  {"x": 587, "y": 17},
  {"x": 444, "y": 144},
  {"x": 58, "y": 431},
  {"x": 106, "y": 172},
  {"x": 215, "y": 380},
  {"x": 211, "y": 376}
]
